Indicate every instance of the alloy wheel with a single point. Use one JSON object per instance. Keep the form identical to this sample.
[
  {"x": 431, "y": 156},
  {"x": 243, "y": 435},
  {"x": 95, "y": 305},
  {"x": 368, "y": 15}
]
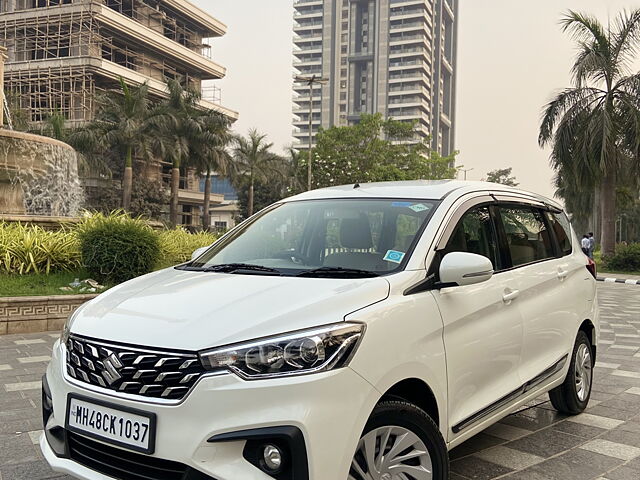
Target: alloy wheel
[
  {"x": 583, "y": 372},
  {"x": 391, "y": 453}
]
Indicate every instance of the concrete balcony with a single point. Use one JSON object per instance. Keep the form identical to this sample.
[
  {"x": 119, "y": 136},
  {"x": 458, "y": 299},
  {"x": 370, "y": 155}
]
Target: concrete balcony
[
  {"x": 164, "y": 47},
  {"x": 308, "y": 2},
  {"x": 190, "y": 197}
]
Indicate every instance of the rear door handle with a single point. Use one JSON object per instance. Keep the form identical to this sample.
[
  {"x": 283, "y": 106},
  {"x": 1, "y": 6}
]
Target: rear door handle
[
  {"x": 510, "y": 295},
  {"x": 562, "y": 274}
]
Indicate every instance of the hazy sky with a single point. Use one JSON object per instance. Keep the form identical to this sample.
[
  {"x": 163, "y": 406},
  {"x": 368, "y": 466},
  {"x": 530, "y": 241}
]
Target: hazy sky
[{"x": 512, "y": 57}]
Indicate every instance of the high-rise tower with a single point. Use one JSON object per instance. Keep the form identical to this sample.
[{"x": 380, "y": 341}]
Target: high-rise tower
[{"x": 395, "y": 57}]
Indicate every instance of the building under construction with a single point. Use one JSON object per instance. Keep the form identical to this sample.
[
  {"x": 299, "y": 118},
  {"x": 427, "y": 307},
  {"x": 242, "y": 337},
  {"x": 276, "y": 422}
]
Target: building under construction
[{"x": 62, "y": 53}]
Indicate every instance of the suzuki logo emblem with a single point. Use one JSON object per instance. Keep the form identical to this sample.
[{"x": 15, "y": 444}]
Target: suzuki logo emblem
[{"x": 111, "y": 365}]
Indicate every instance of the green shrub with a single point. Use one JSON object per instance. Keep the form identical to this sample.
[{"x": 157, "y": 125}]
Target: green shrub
[
  {"x": 626, "y": 258},
  {"x": 177, "y": 245},
  {"x": 117, "y": 247},
  {"x": 31, "y": 249}
]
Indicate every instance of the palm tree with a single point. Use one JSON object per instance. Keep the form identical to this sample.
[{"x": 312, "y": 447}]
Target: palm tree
[
  {"x": 122, "y": 123},
  {"x": 594, "y": 126},
  {"x": 209, "y": 154},
  {"x": 178, "y": 129},
  {"x": 254, "y": 161}
]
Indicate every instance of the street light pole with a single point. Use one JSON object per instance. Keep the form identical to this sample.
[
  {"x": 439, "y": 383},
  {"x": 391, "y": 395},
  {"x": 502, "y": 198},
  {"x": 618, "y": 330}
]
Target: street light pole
[
  {"x": 465, "y": 170},
  {"x": 311, "y": 81}
]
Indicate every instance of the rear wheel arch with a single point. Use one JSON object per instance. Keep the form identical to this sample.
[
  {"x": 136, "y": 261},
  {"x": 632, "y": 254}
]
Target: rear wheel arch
[
  {"x": 590, "y": 330},
  {"x": 417, "y": 392}
]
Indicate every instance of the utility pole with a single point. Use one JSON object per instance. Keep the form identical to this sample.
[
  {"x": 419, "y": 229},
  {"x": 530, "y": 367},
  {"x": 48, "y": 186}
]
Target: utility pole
[{"x": 311, "y": 81}]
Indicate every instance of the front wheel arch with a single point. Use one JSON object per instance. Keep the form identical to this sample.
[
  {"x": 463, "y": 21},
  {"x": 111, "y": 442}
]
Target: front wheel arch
[{"x": 417, "y": 392}]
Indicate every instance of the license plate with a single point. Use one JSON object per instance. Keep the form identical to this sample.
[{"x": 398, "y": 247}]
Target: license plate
[{"x": 125, "y": 427}]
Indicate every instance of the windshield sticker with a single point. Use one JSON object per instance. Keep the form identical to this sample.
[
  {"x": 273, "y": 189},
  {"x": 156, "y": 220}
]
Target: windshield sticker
[
  {"x": 401, "y": 204},
  {"x": 419, "y": 207},
  {"x": 394, "y": 256}
]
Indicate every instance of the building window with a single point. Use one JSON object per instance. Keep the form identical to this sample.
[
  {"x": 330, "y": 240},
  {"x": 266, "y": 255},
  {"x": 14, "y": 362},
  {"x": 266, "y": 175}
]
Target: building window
[{"x": 220, "y": 225}]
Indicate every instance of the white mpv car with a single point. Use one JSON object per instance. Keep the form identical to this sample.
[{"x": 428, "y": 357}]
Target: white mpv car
[{"x": 350, "y": 333}]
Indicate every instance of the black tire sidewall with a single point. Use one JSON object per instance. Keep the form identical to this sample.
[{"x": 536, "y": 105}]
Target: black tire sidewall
[
  {"x": 574, "y": 401},
  {"x": 403, "y": 414}
]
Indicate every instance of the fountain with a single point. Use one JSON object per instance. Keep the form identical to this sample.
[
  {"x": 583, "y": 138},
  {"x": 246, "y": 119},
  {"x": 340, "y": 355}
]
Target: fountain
[{"x": 38, "y": 175}]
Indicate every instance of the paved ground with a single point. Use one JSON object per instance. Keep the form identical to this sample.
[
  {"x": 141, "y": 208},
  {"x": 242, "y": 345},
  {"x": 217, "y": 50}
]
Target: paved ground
[{"x": 533, "y": 444}]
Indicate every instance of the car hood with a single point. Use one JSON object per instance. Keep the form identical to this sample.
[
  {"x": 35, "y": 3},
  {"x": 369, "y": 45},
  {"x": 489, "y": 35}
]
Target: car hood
[{"x": 196, "y": 310}]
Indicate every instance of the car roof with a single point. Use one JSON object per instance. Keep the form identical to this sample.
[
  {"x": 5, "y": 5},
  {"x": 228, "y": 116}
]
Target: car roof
[{"x": 414, "y": 189}]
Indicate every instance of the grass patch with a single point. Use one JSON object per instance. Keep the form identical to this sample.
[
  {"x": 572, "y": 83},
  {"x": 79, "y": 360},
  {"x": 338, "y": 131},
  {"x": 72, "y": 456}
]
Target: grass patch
[{"x": 40, "y": 284}]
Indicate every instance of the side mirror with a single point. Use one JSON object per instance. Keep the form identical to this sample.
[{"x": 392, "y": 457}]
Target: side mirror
[
  {"x": 462, "y": 268},
  {"x": 199, "y": 252}
]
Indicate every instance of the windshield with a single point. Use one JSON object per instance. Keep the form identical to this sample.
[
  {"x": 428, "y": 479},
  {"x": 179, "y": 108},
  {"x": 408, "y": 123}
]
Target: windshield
[{"x": 324, "y": 237}]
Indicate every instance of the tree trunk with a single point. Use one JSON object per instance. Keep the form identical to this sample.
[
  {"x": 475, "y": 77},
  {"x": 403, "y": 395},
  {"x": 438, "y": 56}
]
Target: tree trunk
[
  {"x": 206, "y": 217},
  {"x": 127, "y": 180},
  {"x": 127, "y": 186},
  {"x": 250, "y": 207},
  {"x": 175, "y": 186},
  {"x": 608, "y": 213},
  {"x": 595, "y": 221}
]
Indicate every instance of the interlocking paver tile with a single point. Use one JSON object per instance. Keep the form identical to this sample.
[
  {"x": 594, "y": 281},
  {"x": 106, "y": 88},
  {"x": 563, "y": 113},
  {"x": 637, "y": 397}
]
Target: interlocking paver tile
[
  {"x": 506, "y": 432},
  {"x": 622, "y": 473},
  {"x": 16, "y": 387},
  {"x": 32, "y": 341},
  {"x": 595, "y": 421},
  {"x": 577, "y": 464},
  {"x": 611, "y": 449},
  {"x": 478, "y": 469},
  {"x": 579, "y": 429},
  {"x": 508, "y": 457},
  {"x": 546, "y": 443},
  {"x": 41, "y": 358}
]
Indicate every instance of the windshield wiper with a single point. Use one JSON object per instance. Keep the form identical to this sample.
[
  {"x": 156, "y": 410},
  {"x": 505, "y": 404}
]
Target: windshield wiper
[
  {"x": 234, "y": 267},
  {"x": 338, "y": 272}
]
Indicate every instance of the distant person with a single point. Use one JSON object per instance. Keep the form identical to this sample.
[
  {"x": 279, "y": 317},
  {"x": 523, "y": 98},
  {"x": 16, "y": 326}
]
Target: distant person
[
  {"x": 585, "y": 242},
  {"x": 592, "y": 245}
]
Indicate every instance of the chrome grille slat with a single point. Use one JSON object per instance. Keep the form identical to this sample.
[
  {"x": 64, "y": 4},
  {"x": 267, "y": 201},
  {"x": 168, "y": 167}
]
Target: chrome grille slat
[{"x": 131, "y": 370}]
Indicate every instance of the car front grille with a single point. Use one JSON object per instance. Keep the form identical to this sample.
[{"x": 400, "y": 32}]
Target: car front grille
[
  {"x": 150, "y": 373},
  {"x": 126, "y": 465}
]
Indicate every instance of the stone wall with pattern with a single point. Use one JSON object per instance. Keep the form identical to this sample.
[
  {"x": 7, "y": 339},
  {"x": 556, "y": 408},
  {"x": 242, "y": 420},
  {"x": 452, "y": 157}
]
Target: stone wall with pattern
[{"x": 37, "y": 314}]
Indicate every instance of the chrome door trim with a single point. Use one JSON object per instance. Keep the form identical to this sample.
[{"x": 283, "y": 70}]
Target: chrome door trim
[{"x": 512, "y": 396}]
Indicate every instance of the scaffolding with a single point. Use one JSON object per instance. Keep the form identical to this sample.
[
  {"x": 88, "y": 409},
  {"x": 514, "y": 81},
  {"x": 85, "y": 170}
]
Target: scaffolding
[{"x": 44, "y": 72}]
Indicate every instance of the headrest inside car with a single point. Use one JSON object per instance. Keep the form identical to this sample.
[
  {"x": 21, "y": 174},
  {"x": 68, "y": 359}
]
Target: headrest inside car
[{"x": 356, "y": 233}]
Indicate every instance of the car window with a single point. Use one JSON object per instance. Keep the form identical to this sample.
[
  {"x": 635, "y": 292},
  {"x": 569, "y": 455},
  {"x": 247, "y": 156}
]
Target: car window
[
  {"x": 562, "y": 228},
  {"x": 407, "y": 227},
  {"x": 527, "y": 236},
  {"x": 375, "y": 235},
  {"x": 475, "y": 234}
]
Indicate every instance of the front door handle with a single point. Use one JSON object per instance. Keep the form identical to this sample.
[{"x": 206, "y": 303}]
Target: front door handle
[
  {"x": 510, "y": 295},
  {"x": 562, "y": 274}
]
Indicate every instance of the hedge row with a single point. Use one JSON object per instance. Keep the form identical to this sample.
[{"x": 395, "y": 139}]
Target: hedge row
[{"x": 111, "y": 247}]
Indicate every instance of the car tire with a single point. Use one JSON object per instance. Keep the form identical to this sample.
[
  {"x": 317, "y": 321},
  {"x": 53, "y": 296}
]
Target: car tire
[
  {"x": 413, "y": 444},
  {"x": 572, "y": 396}
]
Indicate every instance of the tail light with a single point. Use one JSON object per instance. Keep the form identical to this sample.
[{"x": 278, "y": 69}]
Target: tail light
[{"x": 591, "y": 266}]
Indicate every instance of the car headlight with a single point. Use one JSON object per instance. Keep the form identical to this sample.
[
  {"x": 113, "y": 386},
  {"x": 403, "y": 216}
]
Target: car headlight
[
  {"x": 297, "y": 353},
  {"x": 66, "y": 330}
]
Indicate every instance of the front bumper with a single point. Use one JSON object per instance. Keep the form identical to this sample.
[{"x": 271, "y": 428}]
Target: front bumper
[{"x": 329, "y": 409}]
